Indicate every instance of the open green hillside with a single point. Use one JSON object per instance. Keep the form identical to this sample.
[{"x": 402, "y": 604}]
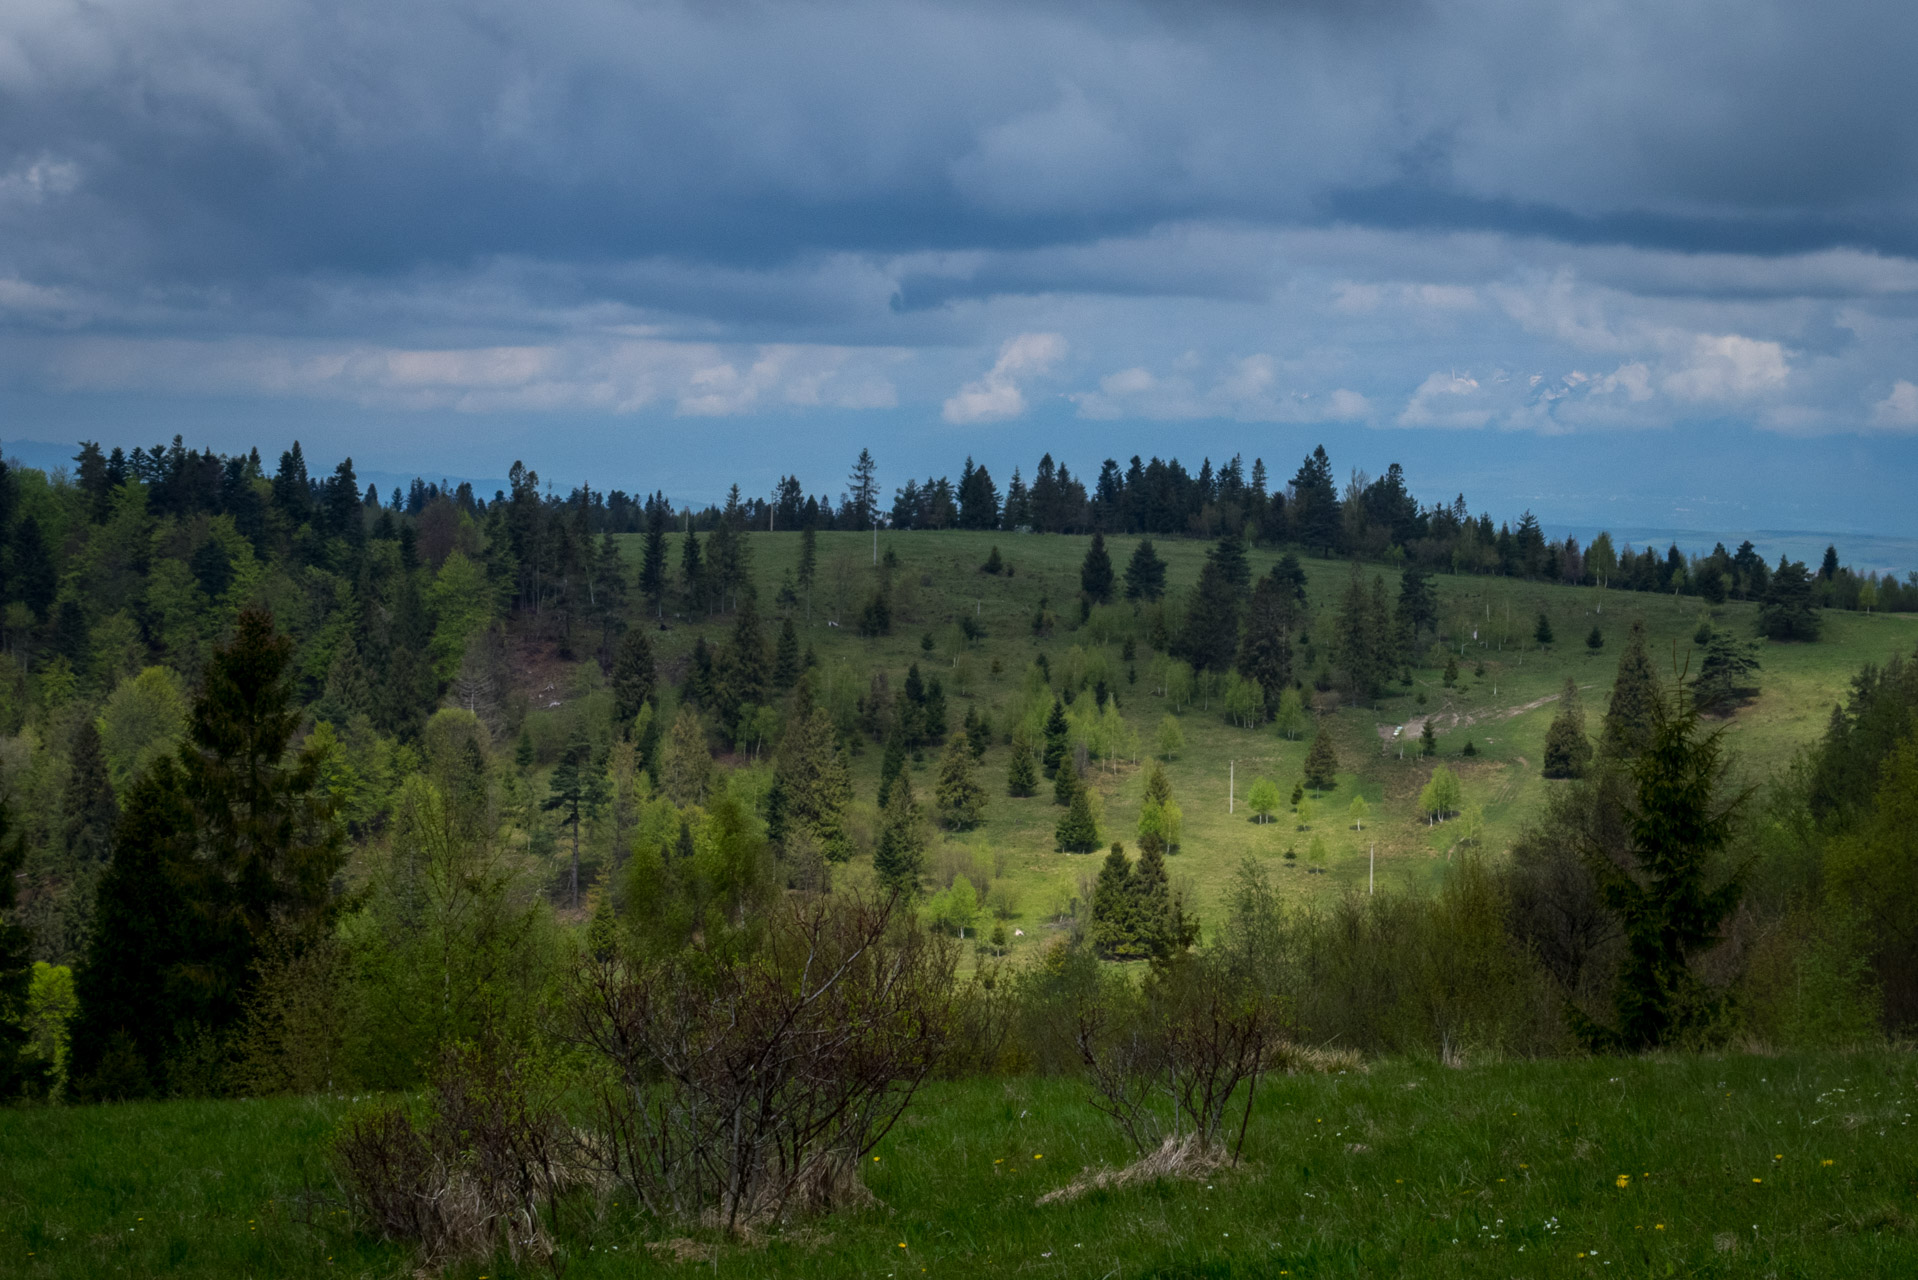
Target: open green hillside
[{"x": 1504, "y": 700}]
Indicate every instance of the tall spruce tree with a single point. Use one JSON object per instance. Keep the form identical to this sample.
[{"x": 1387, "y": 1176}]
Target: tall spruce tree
[
  {"x": 786, "y": 660},
  {"x": 1666, "y": 905},
  {"x": 1078, "y": 830},
  {"x": 1321, "y": 763},
  {"x": 88, "y": 810},
  {"x": 633, "y": 679},
  {"x": 1114, "y": 933},
  {"x": 1265, "y": 650},
  {"x": 1568, "y": 752},
  {"x": 652, "y": 561},
  {"x": 235, "y": 842},
  {"x": 1634, "y": 702},
  {"x": 892, "y": 765},
  {"x": 20, "y": 1075},
  {"x": 575, "y": 791},
  {"x": 1022, "y": 773},
  {"x": 811, "y": 788},
  {"x": 1210, "y": 637},
  {"x": 1156, "y": 927},
  {"x": 1056, "y": 730},
  {"x": 1095, "y": 574},
  {"x": 961, "y": 800},
  {"x": 1788, "y": 611},
  {"x": 1417, "y": 607},
  {"x": 1144, "y": 573},
  {"x": 899, "y": 859}
]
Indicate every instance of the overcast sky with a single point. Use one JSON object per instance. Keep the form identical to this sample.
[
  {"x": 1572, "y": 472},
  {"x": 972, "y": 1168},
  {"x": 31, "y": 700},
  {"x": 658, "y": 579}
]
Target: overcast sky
[{"x": 1650, "y": 262}]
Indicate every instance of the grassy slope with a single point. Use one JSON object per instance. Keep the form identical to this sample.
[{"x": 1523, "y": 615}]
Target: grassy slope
[
  {"x": 1794, "y": 1166},
  {"x": 1800, "y": 684}
]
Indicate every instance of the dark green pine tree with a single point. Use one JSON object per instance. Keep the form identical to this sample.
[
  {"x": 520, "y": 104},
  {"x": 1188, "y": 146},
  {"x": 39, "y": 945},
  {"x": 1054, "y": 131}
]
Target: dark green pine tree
[
  {"x": 1543, "y": 631},
  {"x": 88, "y": 810},
  {"x": 812, "y": 788},
  {"x": 132, "y": 1012},
  {"x": 1210, "y": 637},
  {"x": 786, "y": 659},
  {"x": 1022, "y": 773},
  {"x": 978, "y": 733},
  {"x": 1665, "y": 904},
  {"x": 576, "y": 791},
  {"x": 1417, "y": 607},
  {"x": 900, "y": 856},
  {"x": 1321, "y": 763},
  {"x": 1095, "y": 575},
  {"x": 692, "y": 575},
  {"x": 346, "y": 692},
  {"x": 1078, "y": 831},
  {"x": 1265, "y": 651},
  {"x": 961, "y": 800},
  {"x": 1358, "y": 640},
  {"x": 1113, "y": 904},
  {"x": 892, "y": 765},
  {"x": 1724, "y": 681},
  {"x": 1289, "y": 574},
  {"x": 1596, "y": 640},
  {"x": 20, "y": 1075},
  {"x": 1065, "y": 784},
  {"x": 653, "y": 581},
  {"x": 1228, "y": 552},
  {"x": 1635, "y": 700},
  {"x": 744, "y": 671},
  {"x": 1568, "y": 752},
  {"x": 1788, "y": 610},
  {"x": 1428, "y": 741},
  {"x": 1159, "y": 927},
  {"x": 1056, "y": 730},
  {"x": 634, "y": 679},
  {"x": 932, "y": 711},
  {"x": 1144, "y": 573},
  {"x": 701, "y": 677}
]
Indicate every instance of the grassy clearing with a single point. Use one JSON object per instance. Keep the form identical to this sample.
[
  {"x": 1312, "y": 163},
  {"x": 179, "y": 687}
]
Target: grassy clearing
[
  {"x": 1731, "y": 1166},
  {"x": 1504, "y": 712}
]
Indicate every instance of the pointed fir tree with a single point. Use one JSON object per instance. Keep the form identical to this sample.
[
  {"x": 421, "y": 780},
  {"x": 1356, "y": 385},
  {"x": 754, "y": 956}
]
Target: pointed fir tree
[
  {"x": 692, "y": 575},
  {"x": 1596, "y": 640},
  {"x": 786, "y": 659},
  {"x": 1228, "y": 553},
  {"x": 1788, "y": 610},
  {"x": 899, "y": 858},
  {"x": 811, "y": 788},
  {"x": 892, "y": 766},
  {"x": 1321, "y": 763},
  {"x": 633, "y": 679},
  {"x": 1417, "y": 608},
  {"x": 1056, "y": 730},
  {"x": 575, "y": 791},
  {"x": 1568, "y": 753},
  {"x": 1543, "y": 631},
  {"x": 686, "y": 763},
  {"x": 1209, "y": 639},
  {"x": 1670, "y": 912},
  {"x": 1022, "y": 772},
  {"x": 1265, "y": 651},
  {"x": 961, "y": 800},
  {"x": 1155, "y": 924},
  {"x": 652, "y": 561},
  {"x": 21, "y": 1074},
  {"x": 1428, "y": 741},
  {"x": 1078, "y": 830},
  {"x": 1144, "y": 573},
  {"x": 1065, "y": 783},
  {"x": 1095, "y": 574},
  {"x": 1634, "y": 703},
  {"x": 1113, "y": 936},
  {"x": 88, "y": 809}
]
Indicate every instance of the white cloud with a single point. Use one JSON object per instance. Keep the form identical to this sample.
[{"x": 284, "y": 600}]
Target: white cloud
[
  {"x": 997, "y": 396},
  {"x": 1728, "y": 367},
  {"x": 1446, "y": 400},
  {"x": 1899, "y": 410}
]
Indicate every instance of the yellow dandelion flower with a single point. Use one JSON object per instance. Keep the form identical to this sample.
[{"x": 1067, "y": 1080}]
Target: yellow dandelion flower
[
  {"x": 1037, "y": 1156},
  {"x": 1757, "y": 1179},
  {"x": 1658, "y": 1226},
  {"x": 1825, "y": 1163},
  {"x": 1624, "y": 1179}
]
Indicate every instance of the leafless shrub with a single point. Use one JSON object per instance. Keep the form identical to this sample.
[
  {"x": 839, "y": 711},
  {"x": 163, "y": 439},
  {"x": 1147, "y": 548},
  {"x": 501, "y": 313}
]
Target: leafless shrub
[
  {"x": 741, "y": 1085},
  {"x": 469, "y": 1176},
  {"x": 1167, "y": 1063}
]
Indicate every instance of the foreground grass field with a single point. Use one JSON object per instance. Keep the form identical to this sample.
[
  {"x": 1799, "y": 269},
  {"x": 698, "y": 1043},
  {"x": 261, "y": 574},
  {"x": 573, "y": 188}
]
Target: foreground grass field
[{"x": 1801, "y": 1166}]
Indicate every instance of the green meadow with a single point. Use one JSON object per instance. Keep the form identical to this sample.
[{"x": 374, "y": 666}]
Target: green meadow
[{"x": 1695, "y": 1166}]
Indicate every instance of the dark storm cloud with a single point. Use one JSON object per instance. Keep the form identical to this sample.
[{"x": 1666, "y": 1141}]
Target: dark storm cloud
[{"x": 228, "y": 144}]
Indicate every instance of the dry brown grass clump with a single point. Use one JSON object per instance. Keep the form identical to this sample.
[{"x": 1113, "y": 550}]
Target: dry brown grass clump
[{"x": 1186, "y": 1158}]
